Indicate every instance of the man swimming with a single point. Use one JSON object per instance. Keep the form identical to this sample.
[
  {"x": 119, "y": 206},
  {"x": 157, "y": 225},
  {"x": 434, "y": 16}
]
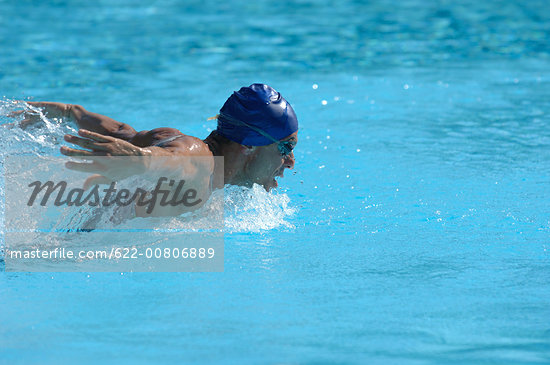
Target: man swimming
[{"x": 256, "y": 133}]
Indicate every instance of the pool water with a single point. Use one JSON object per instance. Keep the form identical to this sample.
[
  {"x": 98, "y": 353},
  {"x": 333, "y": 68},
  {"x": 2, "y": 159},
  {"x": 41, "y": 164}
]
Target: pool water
[{"x": 414, "y": 229}]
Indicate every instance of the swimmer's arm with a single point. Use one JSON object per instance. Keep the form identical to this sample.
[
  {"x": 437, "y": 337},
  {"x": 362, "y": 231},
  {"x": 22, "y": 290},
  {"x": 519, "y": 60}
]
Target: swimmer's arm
[
  {"x": 84, "y": 119},
  {"x": 94, "y": 144},
  {"x": 100, "y": 123},
  {"x": 194, "y": 172}
]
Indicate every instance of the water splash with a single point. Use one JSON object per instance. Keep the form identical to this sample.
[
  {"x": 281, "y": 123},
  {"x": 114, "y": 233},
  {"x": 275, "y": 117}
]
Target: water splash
[
  {"x": 42, "y": 138},
  {"x": 243, "y": 209},
  {"x": 254, "y": 209}
]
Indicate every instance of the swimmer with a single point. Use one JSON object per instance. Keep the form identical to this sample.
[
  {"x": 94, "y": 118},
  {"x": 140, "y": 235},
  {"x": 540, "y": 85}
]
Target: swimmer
[{"x": 256, "y": 133}]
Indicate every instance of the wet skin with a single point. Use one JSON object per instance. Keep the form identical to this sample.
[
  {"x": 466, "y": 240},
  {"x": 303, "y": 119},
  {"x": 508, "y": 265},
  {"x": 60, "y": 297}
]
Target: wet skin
[{"x": 103, "y": 136}]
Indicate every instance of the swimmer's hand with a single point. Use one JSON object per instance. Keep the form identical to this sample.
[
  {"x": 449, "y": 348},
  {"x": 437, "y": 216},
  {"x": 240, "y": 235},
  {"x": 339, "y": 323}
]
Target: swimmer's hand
[
  {"x": 35, "y": 111},
  {"x": 102, "y": 151}
]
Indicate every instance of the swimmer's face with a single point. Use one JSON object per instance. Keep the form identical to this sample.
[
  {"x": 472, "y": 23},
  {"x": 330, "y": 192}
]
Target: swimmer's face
[{"x": 266, "y": 163}]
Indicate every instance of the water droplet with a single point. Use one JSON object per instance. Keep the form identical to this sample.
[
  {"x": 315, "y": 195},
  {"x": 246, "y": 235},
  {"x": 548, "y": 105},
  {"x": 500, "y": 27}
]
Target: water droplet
[{"x": 314, "y": 86}]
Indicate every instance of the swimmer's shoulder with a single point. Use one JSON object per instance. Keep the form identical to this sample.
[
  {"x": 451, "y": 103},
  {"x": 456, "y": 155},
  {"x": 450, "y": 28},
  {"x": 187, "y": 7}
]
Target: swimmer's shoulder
[
  {"x": 154, "y": 136},
  {"x": 171, "y": 139},
  {"x": 180, "y": 144}
]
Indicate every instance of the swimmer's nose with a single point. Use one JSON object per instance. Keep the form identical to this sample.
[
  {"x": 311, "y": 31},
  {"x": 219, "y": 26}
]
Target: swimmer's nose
[{"x": 289, "y": 161}]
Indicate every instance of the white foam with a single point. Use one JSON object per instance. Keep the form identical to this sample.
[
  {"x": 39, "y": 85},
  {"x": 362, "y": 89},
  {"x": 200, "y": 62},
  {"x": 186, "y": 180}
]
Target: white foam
[{"x": 254, "y": 209}]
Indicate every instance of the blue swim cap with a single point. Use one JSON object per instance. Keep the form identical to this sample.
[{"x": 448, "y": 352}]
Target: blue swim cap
[{"x": 253, "y": 108}]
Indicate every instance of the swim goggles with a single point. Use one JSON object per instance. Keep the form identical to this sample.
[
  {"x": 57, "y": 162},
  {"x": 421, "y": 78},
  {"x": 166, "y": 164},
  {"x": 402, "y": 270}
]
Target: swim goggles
[{"x": 285, "y": 147}]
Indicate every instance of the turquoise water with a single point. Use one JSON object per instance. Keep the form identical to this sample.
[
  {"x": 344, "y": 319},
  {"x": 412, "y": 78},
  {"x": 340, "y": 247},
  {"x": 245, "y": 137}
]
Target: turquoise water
[{"x": 414, "y": 229}]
